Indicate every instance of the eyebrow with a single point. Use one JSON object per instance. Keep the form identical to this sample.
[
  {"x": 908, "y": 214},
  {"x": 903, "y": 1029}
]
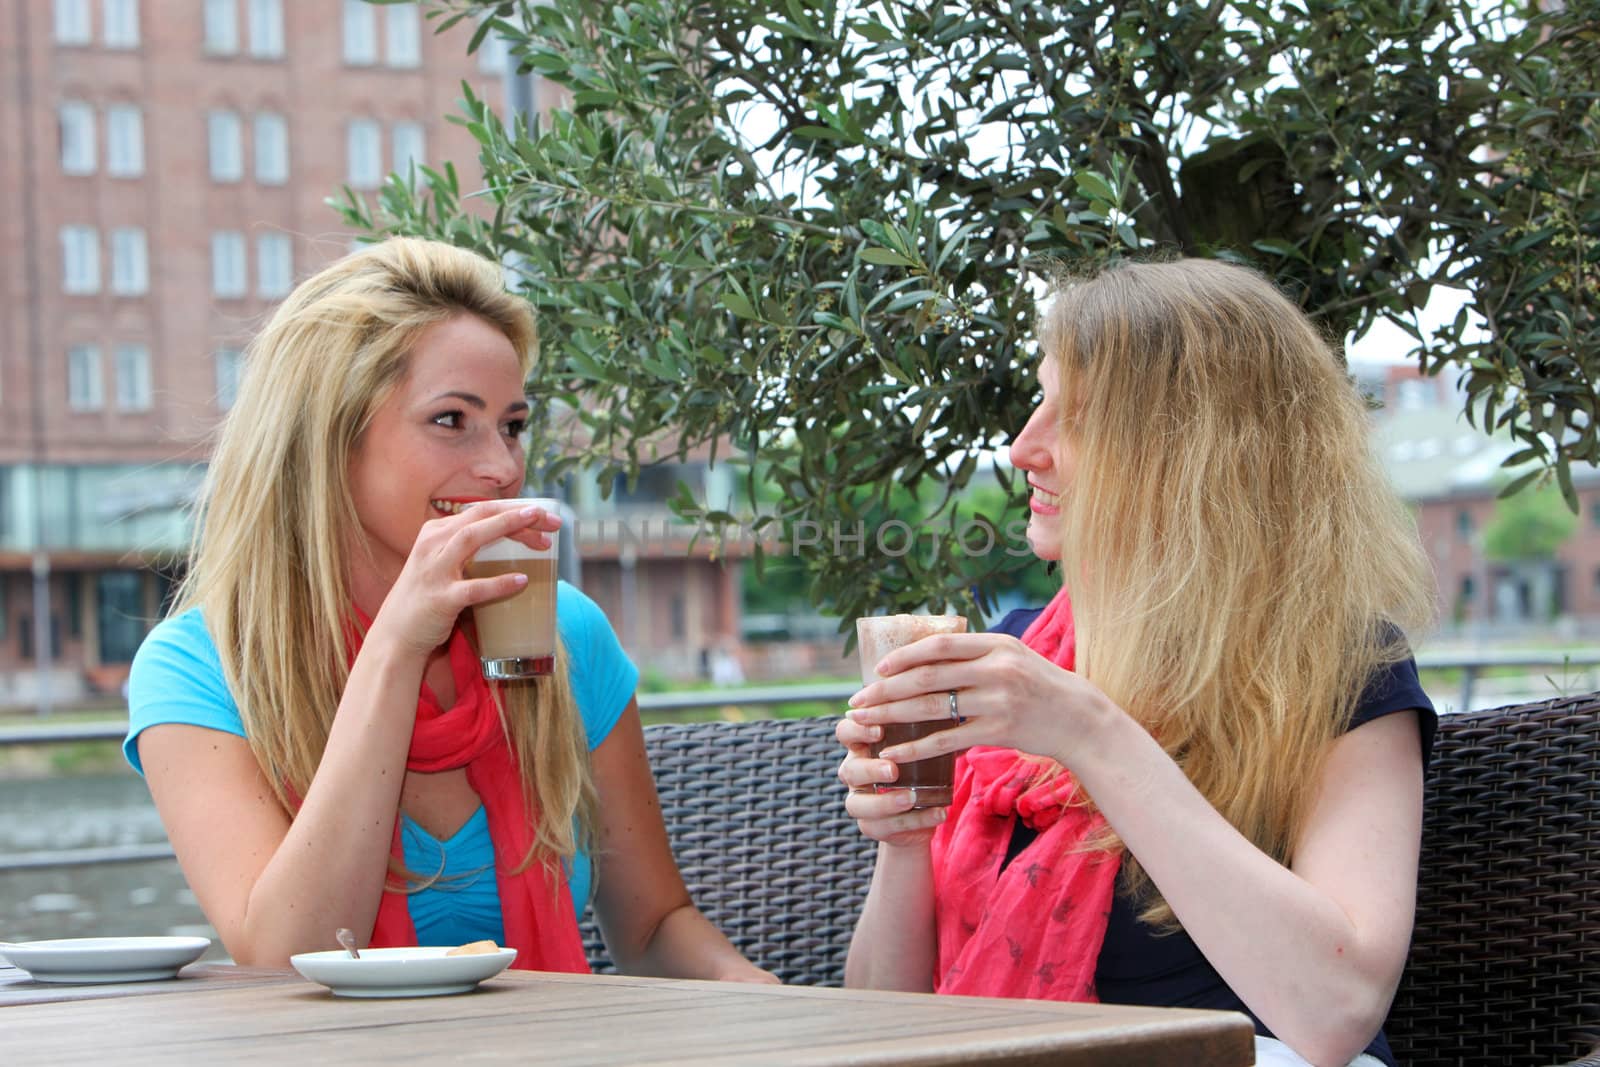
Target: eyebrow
[{"x": 479, "y": 403}]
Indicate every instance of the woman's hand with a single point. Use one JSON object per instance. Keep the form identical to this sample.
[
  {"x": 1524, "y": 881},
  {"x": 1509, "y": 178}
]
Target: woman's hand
[
  {"x": 1007, "y": 694},
  {"x": 885, "y": 817},
  {"x": 432, "y": 590}
]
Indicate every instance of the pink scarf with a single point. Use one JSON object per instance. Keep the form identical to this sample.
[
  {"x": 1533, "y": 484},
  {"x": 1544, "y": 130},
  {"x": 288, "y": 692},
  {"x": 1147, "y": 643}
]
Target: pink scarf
[
  {"x": 1036, "y": 928},
  {"x": 535, "y": 905}
]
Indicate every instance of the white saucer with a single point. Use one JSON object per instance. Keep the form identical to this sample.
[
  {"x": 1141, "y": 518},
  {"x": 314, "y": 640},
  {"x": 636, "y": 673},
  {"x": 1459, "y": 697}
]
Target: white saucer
[
  {"x": 105, "y": 959},
  {"x": 401, "y": 972}
]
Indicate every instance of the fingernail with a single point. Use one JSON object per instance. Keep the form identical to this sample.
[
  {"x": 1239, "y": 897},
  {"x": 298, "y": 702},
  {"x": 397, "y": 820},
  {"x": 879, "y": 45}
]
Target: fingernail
[
  {"x": 530, "y": 512},
  {"x": 888, "y": 774},
  {"x": 518, "y": 578},
  {"x": 856, "y": 701}
]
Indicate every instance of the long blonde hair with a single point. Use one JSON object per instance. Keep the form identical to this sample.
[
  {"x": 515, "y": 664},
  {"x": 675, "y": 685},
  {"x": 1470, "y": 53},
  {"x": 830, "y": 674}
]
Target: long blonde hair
[
  {"x": 1238, "y": 564},
  {"x": 275, "y": 523}
]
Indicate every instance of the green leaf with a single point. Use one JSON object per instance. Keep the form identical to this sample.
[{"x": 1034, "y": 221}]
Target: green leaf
[{"x": 887, "y": 257}]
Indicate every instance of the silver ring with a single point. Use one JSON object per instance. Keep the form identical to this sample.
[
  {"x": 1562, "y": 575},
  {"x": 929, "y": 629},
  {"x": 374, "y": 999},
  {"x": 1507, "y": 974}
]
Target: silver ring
[{"x": 955, "y": 714}]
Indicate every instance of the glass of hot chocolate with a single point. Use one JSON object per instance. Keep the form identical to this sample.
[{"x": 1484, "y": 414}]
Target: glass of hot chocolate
[
  {"x": 517, "y": 634},
  {"x": 930, "y": 780}
]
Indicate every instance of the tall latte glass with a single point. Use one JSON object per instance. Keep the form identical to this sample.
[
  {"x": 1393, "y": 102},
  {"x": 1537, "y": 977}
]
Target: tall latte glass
[
  {"x": 930, "y": 780},
  {"x": 517, "y": 634}
]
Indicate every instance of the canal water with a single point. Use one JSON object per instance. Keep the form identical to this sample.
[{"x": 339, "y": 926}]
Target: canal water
[{"x": 104, "y": 900}]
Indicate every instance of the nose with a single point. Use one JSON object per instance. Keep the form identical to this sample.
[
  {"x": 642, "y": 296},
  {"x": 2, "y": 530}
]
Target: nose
[
  {"x": 1030, "y": 449},
  {"x": 499, "y": 463}
]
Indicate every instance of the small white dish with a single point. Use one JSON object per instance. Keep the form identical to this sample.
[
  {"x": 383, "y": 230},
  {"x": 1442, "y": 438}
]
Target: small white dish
[
  {"x": 105, "y": 959},
  {"x": 401, "y": 972}
]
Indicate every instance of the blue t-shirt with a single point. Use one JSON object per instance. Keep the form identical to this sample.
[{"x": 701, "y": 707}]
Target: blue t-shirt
[
  {"x": 177, "y": 678},
  {"x": 1138, "y": 965}
]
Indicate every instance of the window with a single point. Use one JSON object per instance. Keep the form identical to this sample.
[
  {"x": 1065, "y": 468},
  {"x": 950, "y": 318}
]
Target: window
[
  {"x": 124, "y": 141},
  {"x": 72, "y": 22},
  {"x": 119, "y": 599},
  {"x": 493, "y": 55},
  {"x": 226, "y": 146},
  {"x": 133, "y": 377},
  {"x": 227, "y": 264},
  {"x": 121, "y": 27},
  {"x": 228, "y": 361},
  {"x": 130, "y": 262},
  {"x": 360, "y": 34},
  {"x": 221, "y": 27},
  {"x": 365, "y": 151},
  {"x": 407, "y": 145},
  {"x": 402, "y": 37},
  {"x": 274, "y": 271},
  {"x": 1468, "y": 588},
  {"x": 84, "y": 389},
  {"x": 272, "y": 149},
  {"x": 80, "y": 259},
  {"x": 1464, "y": 524},
  {"x": 77, "y": 138},
  {"x": 266, "y": 29}
]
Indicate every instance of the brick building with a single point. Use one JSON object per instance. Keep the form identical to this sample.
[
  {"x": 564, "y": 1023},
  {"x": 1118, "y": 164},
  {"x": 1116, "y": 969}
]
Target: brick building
[
  {"x": 1451, "y": 473},
  {"x": 164, "y": 169}
]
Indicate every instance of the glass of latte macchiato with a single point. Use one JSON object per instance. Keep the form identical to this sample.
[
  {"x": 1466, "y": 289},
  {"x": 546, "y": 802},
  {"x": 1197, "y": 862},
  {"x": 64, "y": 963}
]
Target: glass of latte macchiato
[
  {"x": 930, "y": 780},
  {"x": 517, "y": 634}
]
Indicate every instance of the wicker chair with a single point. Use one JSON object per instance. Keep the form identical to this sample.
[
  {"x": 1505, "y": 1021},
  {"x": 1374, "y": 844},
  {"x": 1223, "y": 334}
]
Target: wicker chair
[{"x": 1505, "y": 949}]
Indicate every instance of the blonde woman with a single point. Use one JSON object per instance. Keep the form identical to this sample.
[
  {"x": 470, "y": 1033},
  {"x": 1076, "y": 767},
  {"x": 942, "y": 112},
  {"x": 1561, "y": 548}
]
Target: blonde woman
[
  {"x": 311, "y": 719},
  {"x": 1201, "y": 783}
]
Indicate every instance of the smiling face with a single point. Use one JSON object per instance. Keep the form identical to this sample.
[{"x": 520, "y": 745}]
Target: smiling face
[
  {"x": 448, "y": 435},
  {"x": 1043, "y": 451}
]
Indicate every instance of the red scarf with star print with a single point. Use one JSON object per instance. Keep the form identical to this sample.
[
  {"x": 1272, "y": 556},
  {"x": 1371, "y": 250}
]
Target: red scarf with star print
[{"x": 1035, "y": 928}]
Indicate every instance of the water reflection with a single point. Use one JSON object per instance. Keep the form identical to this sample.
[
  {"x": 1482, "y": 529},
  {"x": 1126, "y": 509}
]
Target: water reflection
[{"x": 108, "y": 899}]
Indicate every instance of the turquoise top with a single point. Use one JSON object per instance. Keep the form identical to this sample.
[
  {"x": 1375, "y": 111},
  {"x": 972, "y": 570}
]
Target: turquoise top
[{"x": 177, "y": 678}]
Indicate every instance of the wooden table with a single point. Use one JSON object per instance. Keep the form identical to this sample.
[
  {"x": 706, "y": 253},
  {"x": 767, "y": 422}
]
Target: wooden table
[{"x": 221, "y": 1014}]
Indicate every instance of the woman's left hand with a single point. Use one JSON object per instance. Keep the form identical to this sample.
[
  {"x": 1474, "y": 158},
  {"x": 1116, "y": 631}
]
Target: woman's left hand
[{"x": 1007, "y": 695}]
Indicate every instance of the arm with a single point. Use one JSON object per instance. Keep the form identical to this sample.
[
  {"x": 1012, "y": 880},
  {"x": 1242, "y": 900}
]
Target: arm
[
  {"x": 1315, "y": 951},
  {"x": 272, "y": 885},
  {"x": 650, "y": 925},
  {"x": 894, "y": 945}
]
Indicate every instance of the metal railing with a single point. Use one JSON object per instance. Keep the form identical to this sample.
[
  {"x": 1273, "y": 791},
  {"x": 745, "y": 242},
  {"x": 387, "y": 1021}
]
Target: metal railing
[{"x": 1471, "y": 666}]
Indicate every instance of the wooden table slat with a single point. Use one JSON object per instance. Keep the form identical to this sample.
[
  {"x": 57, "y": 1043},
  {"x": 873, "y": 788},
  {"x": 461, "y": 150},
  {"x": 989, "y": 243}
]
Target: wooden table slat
[{"x": 582, "y": 1020}]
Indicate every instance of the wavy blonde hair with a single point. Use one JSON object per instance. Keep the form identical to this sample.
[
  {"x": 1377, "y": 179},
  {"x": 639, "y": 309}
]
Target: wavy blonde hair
[
  {"x": 275, "y": 526},
  {"x": 1238, "y": 564}
]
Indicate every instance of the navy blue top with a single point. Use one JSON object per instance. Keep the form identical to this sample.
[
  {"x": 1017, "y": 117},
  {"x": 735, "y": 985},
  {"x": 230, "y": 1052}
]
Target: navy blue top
[{"x": 1138, "y": 965}]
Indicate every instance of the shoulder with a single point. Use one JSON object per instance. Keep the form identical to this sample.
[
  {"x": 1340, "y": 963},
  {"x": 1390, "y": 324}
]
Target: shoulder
[
  {"x": 177, "y": 678},
  {"x": 1395, "y": 688},
  {"x": 1015, "y": 623},
  {"x": 178, "y": 642},
  {"x": 603, "y": 678}
]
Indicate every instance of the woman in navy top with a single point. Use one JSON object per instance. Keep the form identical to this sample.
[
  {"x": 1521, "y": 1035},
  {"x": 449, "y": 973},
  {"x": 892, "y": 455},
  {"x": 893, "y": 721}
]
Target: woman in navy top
[{"x": 1196, "y": 777}]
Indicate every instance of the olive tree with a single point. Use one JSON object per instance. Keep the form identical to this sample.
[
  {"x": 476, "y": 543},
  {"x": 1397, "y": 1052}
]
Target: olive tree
[{"x": 811, "y": 233}]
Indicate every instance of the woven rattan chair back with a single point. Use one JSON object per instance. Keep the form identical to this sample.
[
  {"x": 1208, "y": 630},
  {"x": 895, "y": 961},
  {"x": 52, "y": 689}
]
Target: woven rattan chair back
[
  {"x": 756, "y": 817},
  {"x": 1505, "y": 959}
]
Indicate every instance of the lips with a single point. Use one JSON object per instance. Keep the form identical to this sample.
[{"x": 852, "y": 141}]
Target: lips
[{"x": 1043, "y": 502}]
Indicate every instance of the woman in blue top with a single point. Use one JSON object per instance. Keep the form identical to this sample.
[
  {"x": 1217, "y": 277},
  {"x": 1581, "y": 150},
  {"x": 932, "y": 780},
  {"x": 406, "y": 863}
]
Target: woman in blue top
[
  {"x": 1200, "y": 782},
  {"x": 311, "y": 720}
]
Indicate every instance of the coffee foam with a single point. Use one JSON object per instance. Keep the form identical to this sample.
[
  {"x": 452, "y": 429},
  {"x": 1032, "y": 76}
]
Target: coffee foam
[
  {"x": 507, "y": 549},
  {"x": 879, "y": 635}
]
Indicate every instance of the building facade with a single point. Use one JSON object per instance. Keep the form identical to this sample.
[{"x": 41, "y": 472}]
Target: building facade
[
  {"x": 165, "y": 169},
  {"x": 1451, "y": 474}
]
